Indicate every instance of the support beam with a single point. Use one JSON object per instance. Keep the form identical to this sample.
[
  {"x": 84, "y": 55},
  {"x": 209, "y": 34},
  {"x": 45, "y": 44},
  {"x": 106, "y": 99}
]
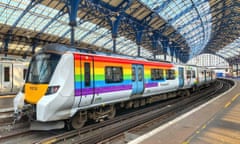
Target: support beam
[
  {"x": 6, "y": 42},
  {"x": 139, "y": 33},
  {"x": 155, "y": 38},
  {"x": 172, "y": 49},
  {"x": 177, "y": 50},
  {"x": 165, "y": 46},
  {"x": 72, "y": 6},
  {"x": 115, "y": 22},
  {"x": 34, "y": 45}
]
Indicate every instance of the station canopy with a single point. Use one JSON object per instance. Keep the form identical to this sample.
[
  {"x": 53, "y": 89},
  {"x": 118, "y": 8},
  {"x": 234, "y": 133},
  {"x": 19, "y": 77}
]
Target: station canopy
[{"x": 196, "y": 26}]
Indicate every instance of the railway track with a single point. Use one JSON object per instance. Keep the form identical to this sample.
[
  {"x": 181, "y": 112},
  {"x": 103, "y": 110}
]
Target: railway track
[
  {"x": 94, "y": 133},
  {"x": 163, "y": 112},
  {"x": 6, "y": 110}
]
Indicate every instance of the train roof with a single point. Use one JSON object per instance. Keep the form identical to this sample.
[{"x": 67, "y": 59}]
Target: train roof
[{"x": 63, "y": 49}]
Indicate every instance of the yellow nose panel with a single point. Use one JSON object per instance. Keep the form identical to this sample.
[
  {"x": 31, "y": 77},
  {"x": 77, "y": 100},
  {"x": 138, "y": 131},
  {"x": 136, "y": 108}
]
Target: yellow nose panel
[{"x": 34, "y": 92}]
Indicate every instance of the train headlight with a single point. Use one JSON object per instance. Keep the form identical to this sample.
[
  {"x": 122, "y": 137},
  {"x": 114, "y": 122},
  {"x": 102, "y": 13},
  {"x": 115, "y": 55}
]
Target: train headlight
[{"x": 52, "y": 90}]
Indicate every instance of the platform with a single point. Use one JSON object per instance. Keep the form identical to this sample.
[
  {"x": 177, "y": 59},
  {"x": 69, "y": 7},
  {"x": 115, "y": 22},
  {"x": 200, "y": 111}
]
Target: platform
[{"x": 215, "y": 122}]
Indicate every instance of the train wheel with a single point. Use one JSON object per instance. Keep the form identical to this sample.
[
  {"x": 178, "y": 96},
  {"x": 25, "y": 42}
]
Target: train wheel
[
  {"x": 79, "y": 120},
  {"x": 187, "y": 93},
  {"x": 112, "y": 113}
]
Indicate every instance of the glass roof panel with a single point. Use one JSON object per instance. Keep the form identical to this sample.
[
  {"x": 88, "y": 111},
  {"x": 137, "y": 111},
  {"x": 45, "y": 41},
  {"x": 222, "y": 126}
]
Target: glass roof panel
[
  {"x": 10, "y": 9},
  {"x": 188, "y": 17},
  {"x": 232, "y": 48}
]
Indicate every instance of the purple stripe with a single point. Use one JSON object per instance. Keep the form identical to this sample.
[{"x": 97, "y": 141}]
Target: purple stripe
[
  {"x": 113, "y": 88},
  {"x": 77, "y": 92},
  {"x": 99, "y": 90},
  {"x": 148, "y": 85}
]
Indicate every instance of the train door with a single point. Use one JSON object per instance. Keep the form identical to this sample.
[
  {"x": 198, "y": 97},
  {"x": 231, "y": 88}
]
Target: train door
[
  {"x": 6, "y": 80},
  {"x": 137, "y": 79},
  {"x": 205, "y": 76},
  {"x": 84, "y": 78},
  {"x": 181, "y": 77}
]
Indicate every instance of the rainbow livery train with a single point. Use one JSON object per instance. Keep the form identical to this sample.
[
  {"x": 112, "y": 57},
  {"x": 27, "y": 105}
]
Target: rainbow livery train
[{"x": 64, "y": 86}]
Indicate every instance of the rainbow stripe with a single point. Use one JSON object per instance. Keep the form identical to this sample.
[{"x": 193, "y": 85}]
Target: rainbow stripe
[
  {"x": 77, "y": 74},
  {"x": 100, "y": 62}
]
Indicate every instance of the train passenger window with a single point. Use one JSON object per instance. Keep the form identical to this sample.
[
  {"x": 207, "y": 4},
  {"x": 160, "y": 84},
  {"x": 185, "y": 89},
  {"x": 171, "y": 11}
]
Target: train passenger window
[
  {"x": 6, "y": 74},
  {"x": 87, "y": 77},
  {"x": 188, "y": 74},
  {"x": 113, "y": 74},
  {"x": 170, "y": 74},
  {"x": 140, "y": 74},
  {"x": 133, "y": 74},
  {"x": 193, "y": 74},
  {"x": 157, "y": 74}
]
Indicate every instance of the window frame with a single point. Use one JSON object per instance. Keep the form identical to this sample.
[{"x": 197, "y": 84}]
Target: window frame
[
  {"x": 157, "y": 74},
  {"x": 6, "y": 70},
  {"x": 87, "y": 74},
  {"x": 113, "y": 77},
  {"x": 170, "y": 74}
]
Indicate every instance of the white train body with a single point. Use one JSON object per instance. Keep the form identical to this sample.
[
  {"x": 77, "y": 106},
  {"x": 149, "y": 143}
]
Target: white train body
[{"x": 61, "y": 82}]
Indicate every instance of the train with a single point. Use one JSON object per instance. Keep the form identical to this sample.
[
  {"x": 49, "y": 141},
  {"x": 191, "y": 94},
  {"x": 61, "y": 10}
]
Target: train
[
  {"x": 12, "y": 75},
  {"x": 66, "y": 87}
]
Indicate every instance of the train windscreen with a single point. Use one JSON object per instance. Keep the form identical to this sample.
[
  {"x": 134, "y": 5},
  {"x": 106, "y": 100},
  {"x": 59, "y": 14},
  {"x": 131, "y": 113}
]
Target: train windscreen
[{"x": 42, "y": 67}]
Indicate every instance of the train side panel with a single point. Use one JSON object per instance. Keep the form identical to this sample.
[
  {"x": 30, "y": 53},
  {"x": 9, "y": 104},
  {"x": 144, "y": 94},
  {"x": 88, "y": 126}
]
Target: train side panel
[
  {"x": 113, "y": 80},
  {"x": 160, "y": 79},
  {"x": 190, "y": 77}
]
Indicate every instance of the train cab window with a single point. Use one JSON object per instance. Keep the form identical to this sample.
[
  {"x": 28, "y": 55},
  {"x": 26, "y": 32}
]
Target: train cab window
[
  {"x": 193, "y": 74},
  {"x": 188, "y": 74},
  {"x": 6, "y": 74},
  {"x": 113, "y": 74},
  {"x": 157, "y": 74},
  {"x": 87, "y": 77},
  {"x": 170, "y": 74}
]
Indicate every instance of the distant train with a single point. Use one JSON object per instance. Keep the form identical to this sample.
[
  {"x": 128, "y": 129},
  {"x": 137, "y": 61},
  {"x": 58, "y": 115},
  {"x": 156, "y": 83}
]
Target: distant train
[
  {"x": 12, "y": 75},
  {"x": 67, "y": 87}
]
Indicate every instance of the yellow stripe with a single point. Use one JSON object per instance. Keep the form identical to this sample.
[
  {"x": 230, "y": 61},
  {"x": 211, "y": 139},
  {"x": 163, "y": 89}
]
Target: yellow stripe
[
  {"x": 227, "y": 104},
  {"x": 235, "y": 97}
]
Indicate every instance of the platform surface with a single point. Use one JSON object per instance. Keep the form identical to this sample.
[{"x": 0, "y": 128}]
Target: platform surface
[{"x": 215, "y": 122}]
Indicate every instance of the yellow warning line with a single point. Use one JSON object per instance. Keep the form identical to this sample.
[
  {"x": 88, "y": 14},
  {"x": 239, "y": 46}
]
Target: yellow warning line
[
  {"x": 7, "y": 96},
  {"x": 227, "y": 104},
  {"x": 50, "y": 141},
  {"x": 205, "y": 125},
  {"x": 233, "y": 99}
]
